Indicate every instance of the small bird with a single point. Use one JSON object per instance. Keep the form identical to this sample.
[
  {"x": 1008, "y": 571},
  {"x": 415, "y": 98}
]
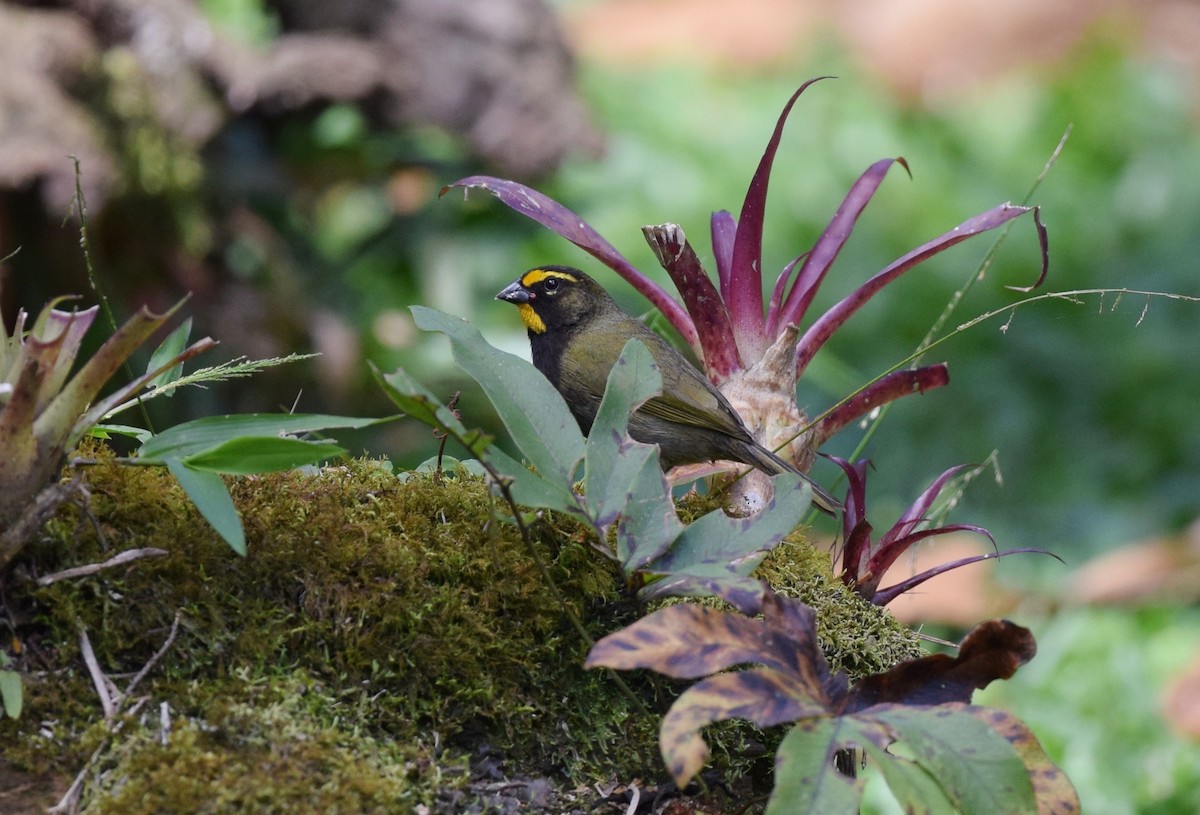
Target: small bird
[{"x": 576, "y": 333}]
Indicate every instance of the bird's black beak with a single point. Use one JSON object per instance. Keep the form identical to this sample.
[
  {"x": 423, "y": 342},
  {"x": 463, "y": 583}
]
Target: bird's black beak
[{"x": 514, "y": 292}]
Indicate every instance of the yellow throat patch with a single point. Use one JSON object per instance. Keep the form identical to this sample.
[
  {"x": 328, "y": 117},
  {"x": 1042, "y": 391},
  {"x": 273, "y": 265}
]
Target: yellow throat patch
[{"x": 529, "y": 317}]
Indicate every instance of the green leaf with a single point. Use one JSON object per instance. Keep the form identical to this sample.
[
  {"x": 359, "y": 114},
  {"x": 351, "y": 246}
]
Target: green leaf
[
  {"x": 533, "y": 411},
  {"x": 190, "y": 438},
  {"x": 624, "y": 480},
  {"x": 170, "y": 348},
  {"x": 716, "y": 553},
  {"x": 11, "y": 693},
  {"x": 531, "y": 489},
  {"x": 419, "y": 403},
  {"x": 104, "y": 431},
  {"x": 978, "y": 768},
  {"x": 245, "y": 455},
  {"x": 649, "y": 524},
  {"x": 210, "y": 496},
  {"x": 805, "y": 777},
  {"x": 915, "y": 789},
  {"x": 1051, "y": 787}
]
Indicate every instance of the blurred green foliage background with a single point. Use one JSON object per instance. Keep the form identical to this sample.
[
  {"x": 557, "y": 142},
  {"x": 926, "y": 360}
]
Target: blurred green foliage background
[{"x": 314, "y": 227}]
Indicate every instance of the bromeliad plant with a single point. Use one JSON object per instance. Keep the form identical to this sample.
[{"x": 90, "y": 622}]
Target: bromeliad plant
[
  {"x": 44, "y": 411},
  {"x": 865, "y": 561},
  {"x": 756, "y": 355}
]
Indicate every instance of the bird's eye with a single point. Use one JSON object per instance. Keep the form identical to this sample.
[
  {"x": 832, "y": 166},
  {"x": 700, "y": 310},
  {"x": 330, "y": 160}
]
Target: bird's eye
[{"x": 551, "y": 285}]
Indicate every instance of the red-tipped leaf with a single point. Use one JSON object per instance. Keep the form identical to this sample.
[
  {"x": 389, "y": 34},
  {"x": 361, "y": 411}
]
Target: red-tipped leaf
[
  {"x": 700, "y": 297},
  {"x": 918, "y": 511},
  {"x": 886, "y": 389}
]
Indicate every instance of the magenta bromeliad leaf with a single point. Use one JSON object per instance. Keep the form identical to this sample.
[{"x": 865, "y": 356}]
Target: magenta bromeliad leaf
[{"x": 864, "y": 562}]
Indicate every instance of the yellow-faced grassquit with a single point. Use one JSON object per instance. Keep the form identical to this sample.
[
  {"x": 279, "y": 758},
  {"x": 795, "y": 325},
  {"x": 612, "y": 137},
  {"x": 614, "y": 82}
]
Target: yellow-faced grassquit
[{"x": 576, "y": 333}]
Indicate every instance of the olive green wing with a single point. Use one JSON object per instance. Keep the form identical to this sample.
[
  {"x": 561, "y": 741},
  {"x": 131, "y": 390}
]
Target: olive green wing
[{"x": 688, "y": 397}]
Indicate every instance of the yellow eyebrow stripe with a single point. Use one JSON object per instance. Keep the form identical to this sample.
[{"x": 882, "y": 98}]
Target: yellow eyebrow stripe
[{"x": 535, "y": 276}]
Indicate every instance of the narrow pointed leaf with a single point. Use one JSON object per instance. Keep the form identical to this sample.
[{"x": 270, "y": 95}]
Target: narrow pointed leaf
[
  {"x": 1044, "y": 243},
  {"x": 745, "y": 297},
  {"x": 777, "y": 293},
  {"x": 246, "y": 455},
  {"x": 887, "y": 553},
  {"x": 112, "y": 404},
  {"x": 557, "y": 218},
  {"x": 202, "y": 435},
  {"x": 825, "y": 251},
  {"x": 72, "y": 401},
  {"x": 11, "y": 693},
  {"x": 717, "y": 347},
  {"x": 886, "y": 389},
  {"x": 829, "y": 322},
  {"x": 881, "y": 597},
  {"x": 209, "y": 494},
  {"x": 168, "y": 350},
  {"x": 918, "y": 511},
  {"x": 723, "y": 230},
  {"x": 56, "y": 339}
]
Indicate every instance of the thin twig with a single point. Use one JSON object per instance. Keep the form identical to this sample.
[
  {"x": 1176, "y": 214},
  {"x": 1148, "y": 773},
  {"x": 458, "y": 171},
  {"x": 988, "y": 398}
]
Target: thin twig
[
  {"x": 99, "y": 680},
  {"x": 154, "y": 659},
  {"x": 127, "y": 556},
  {"x": 635, "y": 798}
]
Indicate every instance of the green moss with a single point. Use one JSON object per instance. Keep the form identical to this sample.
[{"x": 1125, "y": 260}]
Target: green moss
[
  {"x": 857, "y": 636},
  {"x": 372, "y": 616},
  {"x": 413, "y": 599},
  {"x": 267, "y": 755}
]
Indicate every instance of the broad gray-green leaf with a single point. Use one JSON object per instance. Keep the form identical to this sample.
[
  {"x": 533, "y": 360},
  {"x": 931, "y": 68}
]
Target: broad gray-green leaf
[
  {"x": 197, "y": 436},
  {"x": 717, "y": 544},
  {"x": 533, "y": 411},
  {"x": 978, "y": 768},
  {"x": 915, "y": 789},
  {"x": 420, "y": 403},
  {"x": 531, "y": 489},
  {"x": 805, "y": 778},
  {"x": 210, "y": 496},
  {"x": 245, "y": 455},
  {"x": 613, "y": 463}
]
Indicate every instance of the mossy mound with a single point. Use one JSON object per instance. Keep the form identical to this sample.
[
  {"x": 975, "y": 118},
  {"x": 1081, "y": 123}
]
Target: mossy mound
[{"x": 379, "y": 632}]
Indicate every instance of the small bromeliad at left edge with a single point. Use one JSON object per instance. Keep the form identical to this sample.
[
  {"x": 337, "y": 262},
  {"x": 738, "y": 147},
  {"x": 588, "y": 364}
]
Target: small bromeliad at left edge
[{"x": 577, "y": 331}]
